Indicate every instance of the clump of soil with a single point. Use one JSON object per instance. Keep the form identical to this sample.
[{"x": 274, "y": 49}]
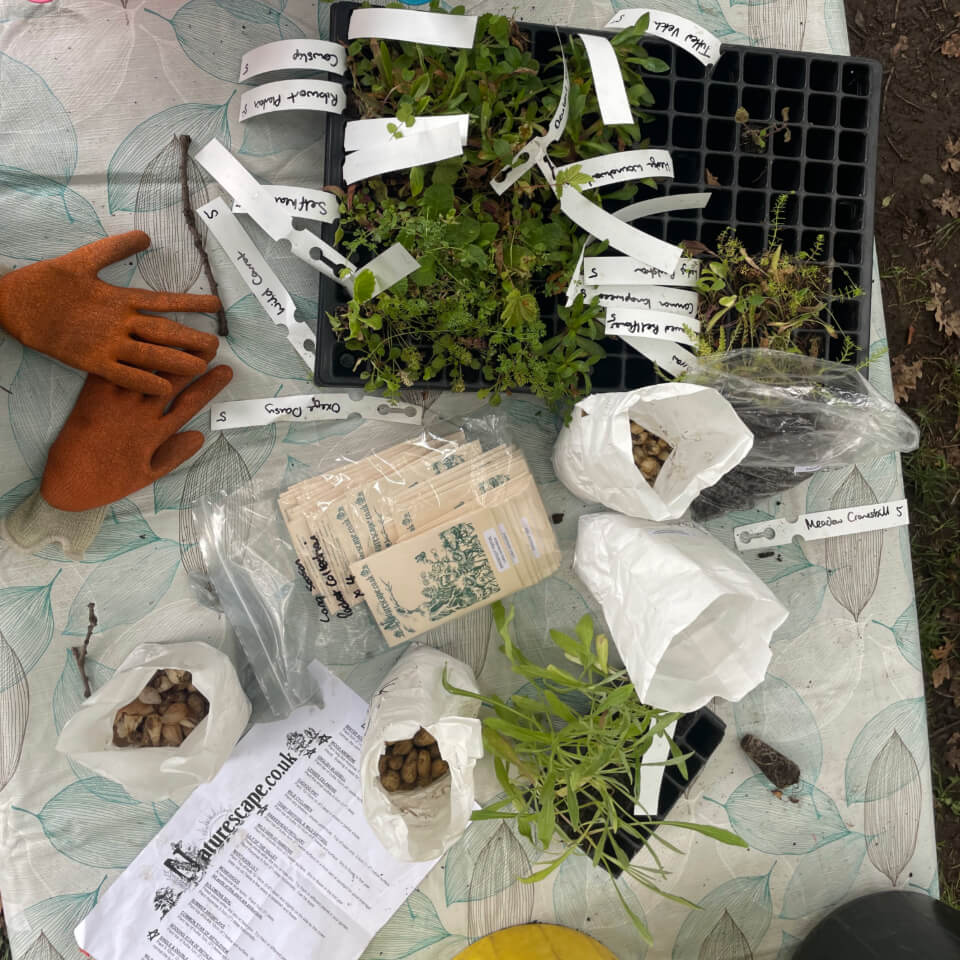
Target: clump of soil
[
  {"x": 406, "y": 764},
  {"x": 166, "y": 711},
  {"x": 649, "y": 451}
]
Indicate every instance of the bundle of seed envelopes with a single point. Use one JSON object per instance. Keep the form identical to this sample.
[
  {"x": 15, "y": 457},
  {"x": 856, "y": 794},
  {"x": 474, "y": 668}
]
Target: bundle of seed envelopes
[{"x": 424, "y": 531}]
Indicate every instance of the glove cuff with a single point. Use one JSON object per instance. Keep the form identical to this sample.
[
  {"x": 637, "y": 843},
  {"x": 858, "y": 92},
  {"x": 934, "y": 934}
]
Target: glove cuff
[{"x": 36, "y": 524}]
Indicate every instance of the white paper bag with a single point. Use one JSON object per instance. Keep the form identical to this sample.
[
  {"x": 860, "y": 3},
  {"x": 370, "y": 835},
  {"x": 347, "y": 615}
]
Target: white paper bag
[
  {"x": 424, "y": 823},
  {"x": 155, "y": 773},
  {"x": 691, "y": 621},
  {"x": 593, "y": 456}
]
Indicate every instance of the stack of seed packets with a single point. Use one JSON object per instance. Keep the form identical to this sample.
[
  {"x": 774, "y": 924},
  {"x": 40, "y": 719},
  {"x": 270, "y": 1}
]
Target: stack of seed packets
[{"x": 424, "y": 532}]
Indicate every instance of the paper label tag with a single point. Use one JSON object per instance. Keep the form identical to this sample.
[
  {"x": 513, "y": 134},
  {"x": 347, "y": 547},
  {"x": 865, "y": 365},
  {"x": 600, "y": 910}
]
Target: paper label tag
[
  {"x": 625, "y": 271},
  {"x": 495, "y": 548},
  {"x": 825, "y": 523},
  {"x": 260, "y": 280},
  {"x": 608, "y": 80},
  {"x": 653, "y": 324},
  {"x": 375, "y": 133},
  {"x": 413, "y": 150},
  {"x": 232, "y": 414},
  {"x": 322, "y": 95},
  {"x": 669, "y": 357},
  {"x": 414, "y": 26},
  {"x": 634, "y": 243},
  {"x": 672, "y": 300},
  {"x": 535, "y": 151},
  {"x": 679, "y": 31},
  {"x": 391, "y": 267},
  {"x": 531, "y": 539},
  {"x": 301, "y": 202},
  {"x": 622, "y": 167},
  {"x": 294, "y": 55},
  {"x": 505, "y": 536}
]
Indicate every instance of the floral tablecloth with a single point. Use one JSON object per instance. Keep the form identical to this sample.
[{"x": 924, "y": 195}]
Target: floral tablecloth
[{"x": 91, "y": 94}]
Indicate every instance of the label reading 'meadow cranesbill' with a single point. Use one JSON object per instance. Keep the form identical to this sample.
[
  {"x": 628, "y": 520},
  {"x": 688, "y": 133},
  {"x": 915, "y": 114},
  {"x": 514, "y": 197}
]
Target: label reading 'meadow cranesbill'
[{"x": 825, "y": 523}]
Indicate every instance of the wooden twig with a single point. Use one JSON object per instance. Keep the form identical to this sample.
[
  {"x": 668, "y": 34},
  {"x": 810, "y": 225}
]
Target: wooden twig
[
  {"x": 900, "y": 96},
  {"x": 883, "y": 98},
  {"x": 895, "y": 150},
  {"x": 191, "y": 218},
  {"x": 80, "y": 653}
]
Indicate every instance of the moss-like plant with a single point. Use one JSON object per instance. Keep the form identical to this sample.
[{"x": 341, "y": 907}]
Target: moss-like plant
[
  {"x": 772, "y": 299},
  {"x": 488, "y": 263},
  {"x": 569, "y": 759}
]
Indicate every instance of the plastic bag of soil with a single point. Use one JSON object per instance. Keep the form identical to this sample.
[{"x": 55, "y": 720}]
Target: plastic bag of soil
[{"x": 806, "y": 414}]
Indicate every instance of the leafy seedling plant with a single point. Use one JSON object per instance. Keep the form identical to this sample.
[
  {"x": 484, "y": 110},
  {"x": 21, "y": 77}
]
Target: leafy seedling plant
[
  {"x": 773, "y": 299},
  {"x": 488, "y": 263},
  {"x": 569, "y": 758},
  {"x": 757, "y": 136}
]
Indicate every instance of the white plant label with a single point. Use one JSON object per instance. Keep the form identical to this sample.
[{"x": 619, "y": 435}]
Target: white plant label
[
  {"x": 823, "y": 524},
  {"x": 608, "y": 81},
  {"x": 413, "y": 150},
  {"x": 651, "y": 324},
  {"x": 302, "y": 202},
  {"x": 359, "y": 134},
  {"x": 623, "y": 167},
  {"x": 414, "y": 26},
  {"x": 625, "y": 271},
  {"x": 669, "y": 357},
  {"x": 260, "y": 280},
  {"x": 322, "y": 95},
  {"x": 293, "y": 55},
  {"x": 679, "y": 31},
  {"x": 651, "y": 774},
  {"x": 308, "y": 408},
  {"x": 672, "y": 300},
  {"x": 391, "y": 267}
]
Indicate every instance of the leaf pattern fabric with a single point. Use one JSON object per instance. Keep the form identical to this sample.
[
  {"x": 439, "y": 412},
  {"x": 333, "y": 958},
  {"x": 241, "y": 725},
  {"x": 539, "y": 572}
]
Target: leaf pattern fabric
[{"x": 92, "y": 95}]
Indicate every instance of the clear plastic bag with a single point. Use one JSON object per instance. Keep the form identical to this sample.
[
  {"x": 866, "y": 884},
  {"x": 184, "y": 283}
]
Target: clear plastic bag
[
  {"x": 805, "y": 413},
  {"x": 388, "y": 534}
]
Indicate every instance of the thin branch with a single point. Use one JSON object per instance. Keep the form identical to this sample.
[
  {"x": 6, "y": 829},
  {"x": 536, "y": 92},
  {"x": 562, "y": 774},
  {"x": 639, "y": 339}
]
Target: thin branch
[
  {"x": 80, "y": 653},
  {"x": 893, "y": 147},
  {"x": 191, "y": 218}
]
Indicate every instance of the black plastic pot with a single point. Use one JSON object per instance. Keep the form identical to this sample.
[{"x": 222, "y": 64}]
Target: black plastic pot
[{"x": 828, "y": 166}]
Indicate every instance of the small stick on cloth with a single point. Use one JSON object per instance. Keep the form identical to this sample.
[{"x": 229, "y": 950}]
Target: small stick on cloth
[
  {"x": 80, "y": 653},
  {"x": 778, "y": 769},
  {"x": 191, "y": 218}
]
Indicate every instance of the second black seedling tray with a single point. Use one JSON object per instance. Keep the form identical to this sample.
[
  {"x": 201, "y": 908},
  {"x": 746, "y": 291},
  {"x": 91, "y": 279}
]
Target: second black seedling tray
[{"x": 828, "y": 167}]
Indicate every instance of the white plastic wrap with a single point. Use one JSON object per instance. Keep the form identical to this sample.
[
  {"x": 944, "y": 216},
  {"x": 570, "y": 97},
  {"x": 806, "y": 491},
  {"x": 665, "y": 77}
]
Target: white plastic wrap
[
  {"x": 690, "y": 620},
  {"x": 423, "y": 823},
  {"x": 593, "y": 456},
  {"x": 155, "y": 773}
]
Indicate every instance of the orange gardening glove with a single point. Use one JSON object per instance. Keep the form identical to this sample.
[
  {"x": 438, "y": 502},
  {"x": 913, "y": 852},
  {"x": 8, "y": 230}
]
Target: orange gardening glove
[
  {"x": 116, "y": 442},
  {"x": 61, "y": 308}
]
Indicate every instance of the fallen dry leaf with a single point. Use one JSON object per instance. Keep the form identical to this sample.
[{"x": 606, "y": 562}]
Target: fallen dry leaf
[
  {"x": 952, "y": 163},
  {"x": 905, "y": 377},
  {"x": 948, "y": 319},
  {"x": 947, "y": 203},
  {"x": 951, "y": 46},
  {"x": 712, "y": 181},
  {"x": 900, "y": 46},
  {"x": 943, "y": 651},
  {"x": 941, "y": 672}
]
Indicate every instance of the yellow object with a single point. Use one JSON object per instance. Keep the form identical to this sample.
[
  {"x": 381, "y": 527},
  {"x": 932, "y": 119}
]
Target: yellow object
[{"x": 536, "y": 941}]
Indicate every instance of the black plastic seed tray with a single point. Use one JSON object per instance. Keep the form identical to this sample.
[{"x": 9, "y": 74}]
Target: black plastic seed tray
[
  {"x": 698, "y": 733},
  {"x": 828, "y": 168}
]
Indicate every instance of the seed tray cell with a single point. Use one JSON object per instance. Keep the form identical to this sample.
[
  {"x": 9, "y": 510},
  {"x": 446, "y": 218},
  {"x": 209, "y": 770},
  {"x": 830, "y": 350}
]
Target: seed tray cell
[{"x": 828, "y": 165}]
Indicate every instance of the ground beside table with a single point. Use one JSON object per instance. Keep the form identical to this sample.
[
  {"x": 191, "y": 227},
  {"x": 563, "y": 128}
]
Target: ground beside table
[{"x": 93, "y": 96}]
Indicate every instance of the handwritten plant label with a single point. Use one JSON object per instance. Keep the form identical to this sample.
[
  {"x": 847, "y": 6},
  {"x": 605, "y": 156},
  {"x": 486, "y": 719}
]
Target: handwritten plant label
[
  {"x": 414, "y": 150},
  {"x": 625, "y": 271},
  {"x": 293, "y": 55},
  {"x": 669, "y": 357},
  {"x": 260, "y": 280},
  {"x": 823, "y": 524},
  {"x": 302, "y": 202},
  {"x": 679, "y": 31},
  {"x": 664, "y": 299},
  {"x": 322, "y": 95},
  {"x": 608, "y": 80},
  {"x": 535, "y": 152},
  {"x": 376, "y": 132},
  {"x": 652, "y": 324},
  {"x": 622, "y": 167},
  {"x": 414, "y": 26},
  {"x": 233, "y": 414}
]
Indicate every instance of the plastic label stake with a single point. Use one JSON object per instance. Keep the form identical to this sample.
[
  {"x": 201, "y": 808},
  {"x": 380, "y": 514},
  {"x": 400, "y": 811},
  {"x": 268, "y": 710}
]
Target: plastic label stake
[
  {"x": 308, "y": 408},
  {"x": 819, "y": 526}
]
